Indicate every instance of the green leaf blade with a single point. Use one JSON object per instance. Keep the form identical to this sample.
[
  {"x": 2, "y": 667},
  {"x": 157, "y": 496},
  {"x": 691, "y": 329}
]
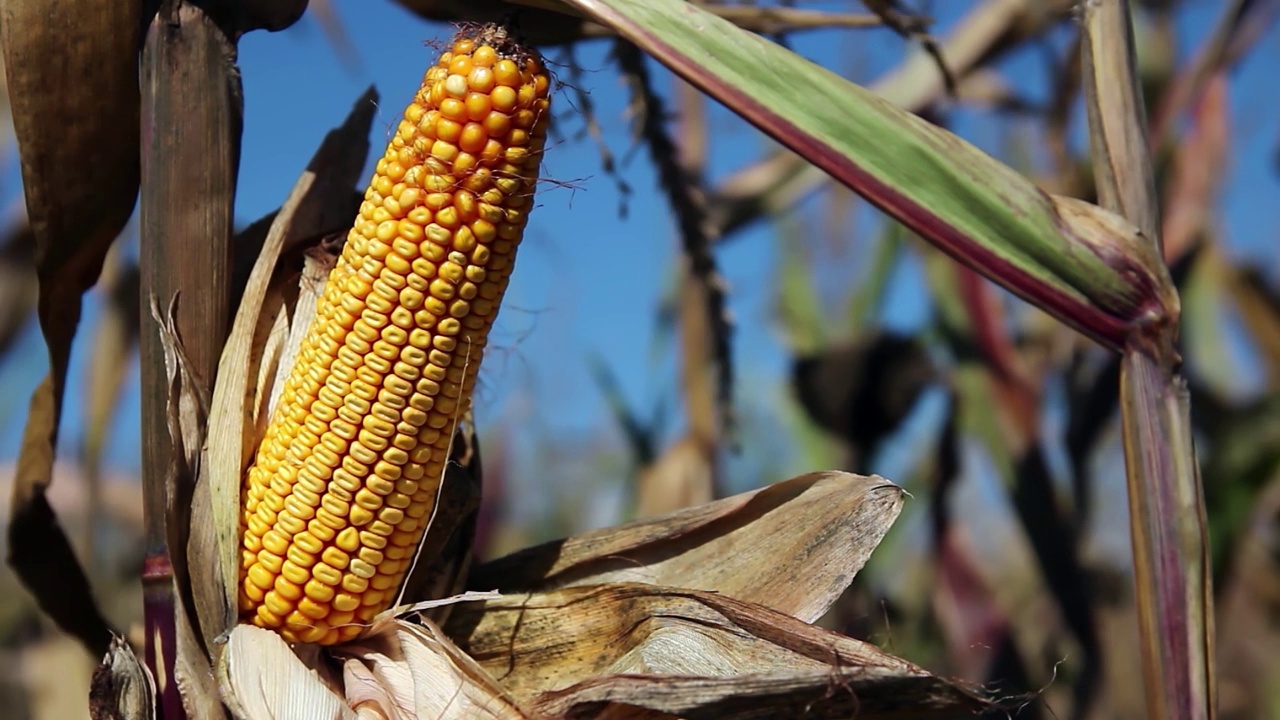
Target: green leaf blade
[{"x": 1087, "y": 267}]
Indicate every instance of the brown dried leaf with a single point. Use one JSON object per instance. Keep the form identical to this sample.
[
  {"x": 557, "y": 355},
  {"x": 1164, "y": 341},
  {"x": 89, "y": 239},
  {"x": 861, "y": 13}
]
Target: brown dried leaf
[
  {"x": 681, "y": 477},
  {"x": 122, "y": 688},
  {"x": 192, "y": 672},
  {"x": 596, "y": 650},
  {"x": 186, "y": 413},
  {"x": 18, "y": 286},
  {"x": 793, "y": 546},
  {"x": 415, "y": 671},
  {"x": 180, "y": 651},
  {"x": 323, "y": 187},
  {"x": 87, "y": 50}
]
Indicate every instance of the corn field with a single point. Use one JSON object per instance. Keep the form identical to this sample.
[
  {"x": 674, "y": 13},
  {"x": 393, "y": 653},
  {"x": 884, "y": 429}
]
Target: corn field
[{"x": 640, "y": 358}]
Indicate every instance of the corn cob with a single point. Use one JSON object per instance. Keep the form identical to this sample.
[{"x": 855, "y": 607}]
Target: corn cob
[{"x": 343, "y": 484}]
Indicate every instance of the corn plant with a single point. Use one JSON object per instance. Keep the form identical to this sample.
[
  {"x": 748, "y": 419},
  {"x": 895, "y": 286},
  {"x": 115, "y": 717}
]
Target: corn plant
[{"x": 311, "y": 470}]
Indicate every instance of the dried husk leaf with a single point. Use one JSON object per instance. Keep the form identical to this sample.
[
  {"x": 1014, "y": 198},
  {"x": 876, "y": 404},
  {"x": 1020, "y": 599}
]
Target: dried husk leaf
[
  {"x": 594, "y": 650},
  {"x": 793, "y": 546},
  {"x": 192, "y": 671},
  {"x": 263, "y": 679},
  {"x": 424, "y": 674},
  {"x": 180, "y": 650},
  {"x": 122, "y": 688},
  {"x": 400, "y": 671},
  {"x": 321, "y": 191}
]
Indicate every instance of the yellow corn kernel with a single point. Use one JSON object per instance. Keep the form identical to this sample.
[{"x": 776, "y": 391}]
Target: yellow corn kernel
[{"x": 350, "y": 464}]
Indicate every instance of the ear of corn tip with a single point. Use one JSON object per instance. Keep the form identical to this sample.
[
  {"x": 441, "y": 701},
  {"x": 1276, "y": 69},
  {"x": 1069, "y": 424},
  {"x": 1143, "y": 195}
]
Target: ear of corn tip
[{"x": 342, "y": 487}]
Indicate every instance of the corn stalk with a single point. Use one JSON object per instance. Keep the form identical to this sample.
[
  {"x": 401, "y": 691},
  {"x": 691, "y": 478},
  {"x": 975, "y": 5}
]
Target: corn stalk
[{"x": 1166, "y": 500}]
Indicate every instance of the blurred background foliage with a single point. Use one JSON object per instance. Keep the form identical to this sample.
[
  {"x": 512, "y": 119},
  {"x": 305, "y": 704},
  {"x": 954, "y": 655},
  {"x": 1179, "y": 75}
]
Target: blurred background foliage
[{"x": 772, "y": 324}]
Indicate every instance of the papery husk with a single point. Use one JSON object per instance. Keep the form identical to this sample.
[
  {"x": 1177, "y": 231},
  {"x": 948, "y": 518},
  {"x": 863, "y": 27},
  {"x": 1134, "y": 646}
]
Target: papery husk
[
  {"x": 186, "y": 410},
  {"x": 591, "y": 651},
  {"x": 263, "y": 678},
  {"x": 122, "y": 687},
  {"x": 616, "y": 648},
  {"x": 399, "y": 671},
  {"x": 793, "y": 546}
]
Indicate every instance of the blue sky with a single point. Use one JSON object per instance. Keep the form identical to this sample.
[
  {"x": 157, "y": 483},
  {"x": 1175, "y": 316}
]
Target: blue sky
[{"x": 588, "y": 280}]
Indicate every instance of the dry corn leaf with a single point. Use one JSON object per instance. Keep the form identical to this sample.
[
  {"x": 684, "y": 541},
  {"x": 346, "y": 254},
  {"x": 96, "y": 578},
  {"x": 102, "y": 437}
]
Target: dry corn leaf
[
  {"x": 192, "y": 672},
  {"x": 18, "y": 284},
  {"x": 681, "y": 477},
  {"x": 87, "y": 49},
  {"x": 323, "y": 189},
  {"x": 589, "y": 651},
  {"x": 122, "y": 688},
  {"x": 187, "y": 408},
  {"x": 423, "y": 674},
  {"x": 263, "y": 679},
  {"x": 397, "y": 672},
  {"x": 793, "y": 546}
]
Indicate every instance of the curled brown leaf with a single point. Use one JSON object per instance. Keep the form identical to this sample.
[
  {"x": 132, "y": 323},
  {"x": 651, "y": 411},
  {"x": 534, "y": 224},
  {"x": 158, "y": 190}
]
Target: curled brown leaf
[{"x": 793, "y": 546}]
